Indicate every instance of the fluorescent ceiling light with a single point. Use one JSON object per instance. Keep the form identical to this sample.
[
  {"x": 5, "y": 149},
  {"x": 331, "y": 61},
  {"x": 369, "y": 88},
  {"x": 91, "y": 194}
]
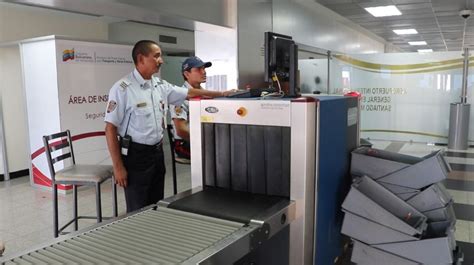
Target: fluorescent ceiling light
[
  {"x": 417, "y": 43},
  {"x": 425, "y": 50},
  {"x": 405, "y": 31},
  {"x": 383, "y": 11}
]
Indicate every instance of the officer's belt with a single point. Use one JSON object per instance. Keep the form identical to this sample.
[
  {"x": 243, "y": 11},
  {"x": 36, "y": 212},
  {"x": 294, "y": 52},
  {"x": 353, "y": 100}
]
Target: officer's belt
[{"x": 138, "y": 146}]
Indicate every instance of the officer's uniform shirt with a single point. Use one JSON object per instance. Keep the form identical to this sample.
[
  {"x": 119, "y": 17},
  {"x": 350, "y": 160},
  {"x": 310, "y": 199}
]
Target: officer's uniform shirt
[
  {"x": 180, "y": 112},
  {"x": 137, "y": 106}
]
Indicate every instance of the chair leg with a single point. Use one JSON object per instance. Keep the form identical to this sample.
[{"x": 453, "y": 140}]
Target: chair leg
[
  {"x": 114, "y": 198},
  {"x": 98, "y": 204},
  {"x": 76, "y": 221},
  {"x": 55, "y": 209}
]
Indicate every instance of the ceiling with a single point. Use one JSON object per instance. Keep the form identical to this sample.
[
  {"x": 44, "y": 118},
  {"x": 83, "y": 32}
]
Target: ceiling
[{"x": 437, "y": 21}]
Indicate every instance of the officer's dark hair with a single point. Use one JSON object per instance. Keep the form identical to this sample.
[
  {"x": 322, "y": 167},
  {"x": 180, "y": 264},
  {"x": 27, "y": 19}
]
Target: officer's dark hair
[{"x": 142, "y": 47}]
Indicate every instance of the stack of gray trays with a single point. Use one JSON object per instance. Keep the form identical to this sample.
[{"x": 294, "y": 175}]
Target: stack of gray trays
[{"x": 398, "y": 212}]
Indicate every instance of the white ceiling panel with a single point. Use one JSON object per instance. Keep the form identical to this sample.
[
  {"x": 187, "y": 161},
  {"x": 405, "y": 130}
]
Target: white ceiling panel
[{"x": 437, "y": 21}]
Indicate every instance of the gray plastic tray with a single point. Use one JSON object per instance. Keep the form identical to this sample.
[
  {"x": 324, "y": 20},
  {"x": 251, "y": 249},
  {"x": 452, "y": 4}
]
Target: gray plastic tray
[
  {"x": 369, "y": 232},
  {"x": 428, "y": 251},
  {"x": 367, "y": 255},
  {"x": 398, "y": 169},
  {"x": 390, "y": 202},
  {"x": 377, "y": 163},
  {"x": 434, "y": 197},
  {"x": 403, "y": 193},
  {"x": 442, "y": 229},
  {"x": 383, "y": 207},
  {"x": 441, "y": 214},
  {"x": 433, "y": 168},
  {"x": 442, "y": 242}
]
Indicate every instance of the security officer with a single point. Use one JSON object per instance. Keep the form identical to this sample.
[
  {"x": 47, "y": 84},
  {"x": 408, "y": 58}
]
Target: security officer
[
  {"x": 135, "y": 112},
  {"x": 194, "y": 73}
]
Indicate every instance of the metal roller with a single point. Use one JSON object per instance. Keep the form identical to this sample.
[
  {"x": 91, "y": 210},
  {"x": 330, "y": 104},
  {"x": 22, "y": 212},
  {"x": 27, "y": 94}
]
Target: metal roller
[{"x": 152, "y": 236}]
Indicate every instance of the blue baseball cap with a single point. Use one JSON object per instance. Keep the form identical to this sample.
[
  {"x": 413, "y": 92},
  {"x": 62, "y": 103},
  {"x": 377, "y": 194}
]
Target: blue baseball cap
[{"x": 192, "y": 62}]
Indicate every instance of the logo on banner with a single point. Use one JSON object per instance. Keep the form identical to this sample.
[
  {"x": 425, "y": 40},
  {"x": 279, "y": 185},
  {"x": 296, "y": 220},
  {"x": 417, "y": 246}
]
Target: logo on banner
[{"x": 68, "y": 55}]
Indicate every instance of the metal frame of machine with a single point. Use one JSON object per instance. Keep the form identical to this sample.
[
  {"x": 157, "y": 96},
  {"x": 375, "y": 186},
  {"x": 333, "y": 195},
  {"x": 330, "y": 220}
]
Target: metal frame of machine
[{"x": 298, "y": 114}]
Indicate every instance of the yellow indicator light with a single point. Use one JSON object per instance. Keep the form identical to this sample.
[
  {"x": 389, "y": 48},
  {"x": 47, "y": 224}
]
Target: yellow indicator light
[{"x": 242, "y": 111}]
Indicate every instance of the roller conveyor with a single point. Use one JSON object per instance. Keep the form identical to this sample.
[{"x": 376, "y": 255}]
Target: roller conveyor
[
  {"x": 169, "y": 233},
  {"x": 163, "y": 235}
]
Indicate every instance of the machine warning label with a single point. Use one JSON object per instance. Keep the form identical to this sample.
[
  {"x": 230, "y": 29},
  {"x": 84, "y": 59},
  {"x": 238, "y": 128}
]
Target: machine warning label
[
  {"x": 351, "y": 116},
  {"x": 207, "y": 119},
  {"x": 275, "y": 106}
]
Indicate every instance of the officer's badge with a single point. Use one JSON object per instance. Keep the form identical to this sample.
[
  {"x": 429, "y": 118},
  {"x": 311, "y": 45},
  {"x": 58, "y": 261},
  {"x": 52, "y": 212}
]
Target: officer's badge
[
  {"x": 111, "y": 106},
  {"x": 178, "y": 110}
]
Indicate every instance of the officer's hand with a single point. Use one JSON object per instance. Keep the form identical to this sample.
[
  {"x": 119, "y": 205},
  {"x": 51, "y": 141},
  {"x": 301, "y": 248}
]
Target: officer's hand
[
  {"x": 120, "y": 175},
  {"x": 228, "y": 92}
]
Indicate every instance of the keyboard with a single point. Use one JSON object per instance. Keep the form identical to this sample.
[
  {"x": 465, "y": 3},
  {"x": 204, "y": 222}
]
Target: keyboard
[
  {"x": 240, "y": 94},
  {"x": 252, "y": 93}
]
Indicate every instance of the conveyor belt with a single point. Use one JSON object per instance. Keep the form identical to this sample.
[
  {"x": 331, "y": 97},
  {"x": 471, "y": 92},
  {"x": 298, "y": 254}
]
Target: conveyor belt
[
  {"x": 235, "y": 206},
  {"x": 162, "y": 236}
]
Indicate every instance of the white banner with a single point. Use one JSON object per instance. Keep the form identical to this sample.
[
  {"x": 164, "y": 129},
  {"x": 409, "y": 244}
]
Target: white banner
[
  {"x": 84, "y": 83},
  {"x": 74, "y": 78}
]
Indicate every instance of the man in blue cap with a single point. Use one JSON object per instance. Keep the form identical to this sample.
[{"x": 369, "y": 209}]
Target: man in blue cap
[{"x": 194, "y": 74}]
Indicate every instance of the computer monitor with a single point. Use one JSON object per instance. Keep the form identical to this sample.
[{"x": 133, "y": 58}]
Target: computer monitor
[{"x": 281, "y": 60}]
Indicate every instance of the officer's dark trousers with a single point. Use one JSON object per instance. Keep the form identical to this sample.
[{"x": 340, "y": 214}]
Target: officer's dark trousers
[{"x": 146, "y": 175}]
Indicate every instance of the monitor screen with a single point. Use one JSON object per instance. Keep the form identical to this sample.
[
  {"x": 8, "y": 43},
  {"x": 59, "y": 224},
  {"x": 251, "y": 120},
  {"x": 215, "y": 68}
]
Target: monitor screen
[{"x": 281, "y": 62}]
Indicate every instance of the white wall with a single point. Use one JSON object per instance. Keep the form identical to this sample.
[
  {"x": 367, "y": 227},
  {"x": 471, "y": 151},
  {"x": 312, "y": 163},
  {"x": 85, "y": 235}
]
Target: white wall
[
  {"x": 131, "y": 32},
  {"x": 23, "y": 22},
  {"x": 14, "y": 113},
  {"x": 171, "y": 70},
  {"x": 210, "y": 11},
  {"x": 219, "y": 46}
]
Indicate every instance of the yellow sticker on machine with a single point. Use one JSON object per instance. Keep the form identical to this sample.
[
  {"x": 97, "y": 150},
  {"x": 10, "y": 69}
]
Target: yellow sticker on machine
[{"x": 207, "y": 119}]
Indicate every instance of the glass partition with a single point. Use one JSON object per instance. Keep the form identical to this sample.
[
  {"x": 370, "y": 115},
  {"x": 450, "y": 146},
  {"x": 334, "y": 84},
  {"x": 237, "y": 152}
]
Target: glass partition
[
  {"x": 313, "y": 71},
  {"x": 405, "y": 96}
]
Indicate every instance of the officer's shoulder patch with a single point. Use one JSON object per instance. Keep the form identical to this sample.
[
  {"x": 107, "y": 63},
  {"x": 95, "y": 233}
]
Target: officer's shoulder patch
[
  {"x": 158, "y": 80},
  {"x": 124, "y": 83},
  {"x": 178, "y": 109},
  {"x": 111, "y": 106}
]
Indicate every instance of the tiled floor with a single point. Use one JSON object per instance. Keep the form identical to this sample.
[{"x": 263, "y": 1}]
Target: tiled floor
[{"x": 26, "y": 212}]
